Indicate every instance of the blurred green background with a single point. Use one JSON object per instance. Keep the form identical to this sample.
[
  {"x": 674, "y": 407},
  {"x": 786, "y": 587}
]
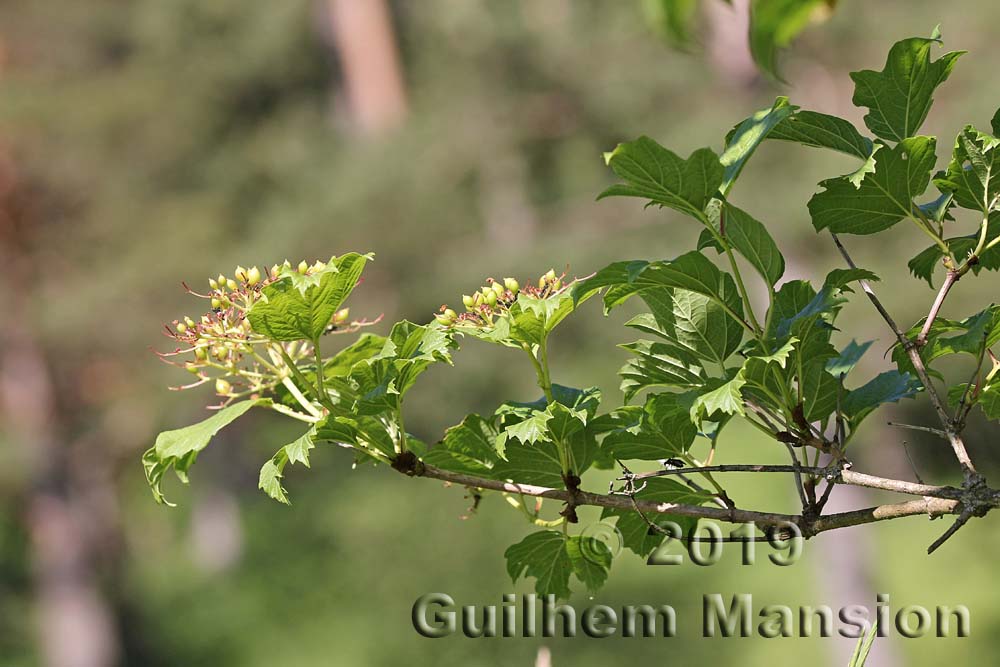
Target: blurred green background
[{"x": 147, "y": 142}]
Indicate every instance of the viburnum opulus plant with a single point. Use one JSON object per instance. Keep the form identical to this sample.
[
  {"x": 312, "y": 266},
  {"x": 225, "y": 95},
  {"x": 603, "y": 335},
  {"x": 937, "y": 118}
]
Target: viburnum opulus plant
[{"x": 707, "y": 356}]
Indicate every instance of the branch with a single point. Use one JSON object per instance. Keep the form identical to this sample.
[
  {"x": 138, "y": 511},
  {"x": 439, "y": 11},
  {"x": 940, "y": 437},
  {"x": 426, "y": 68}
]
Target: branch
[
  {"x": 931, "y": 506},
  {"x": 848, "y": 477},
  {"x": 957, "y": 444},
  {"x": 950, "y": 279}
]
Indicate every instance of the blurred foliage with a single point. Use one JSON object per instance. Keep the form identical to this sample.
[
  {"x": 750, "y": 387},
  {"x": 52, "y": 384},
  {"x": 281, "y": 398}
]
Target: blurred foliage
[{"x": 166, "y": 141}]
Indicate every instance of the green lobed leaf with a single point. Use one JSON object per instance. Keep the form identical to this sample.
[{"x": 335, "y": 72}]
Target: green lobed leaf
[
  {"x": 660, "y": 429},
  {"x": 888, "y": 387},
  {"x": 652, "y": 172},
  {"x": 820, "y": 390},
  {"x": 923, "y": 264},
  {"x": 543, "y": 556},
  {"x": 298, "y": 307},
  {"x": 179, "y": 448},
  {"x": 745, "y": 137},
  {"x": 989, "y": 401},
  {"x": 952, "y": 337},
  {"x": 883, "y": 197},
  {"x": 659, "y": 365},
  {"x": 820, "y": 130},
  {"x": 467, "y": 448},
  {"x": 973, "y": 175},
  {"x": 751, "y": 239},
  {"x": 720, "y": 396},
  {"x": 693, "y": 322},
  {"x": 900, "y": 96},
  {"x": 551, "y": 557},
  {"x": 590, "y": 560},
  {"x": 848, "y": 358},
  {"x": 271, "y": 472}
]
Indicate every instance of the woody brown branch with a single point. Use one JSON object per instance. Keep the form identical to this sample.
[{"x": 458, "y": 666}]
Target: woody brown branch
[{"x": 927, "y": 505}]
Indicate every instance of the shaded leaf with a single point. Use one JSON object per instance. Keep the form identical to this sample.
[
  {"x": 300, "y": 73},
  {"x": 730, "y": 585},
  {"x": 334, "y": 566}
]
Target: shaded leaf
[
  {"x": 820, "y": 130},
  {"x": 652, "y": 172},
  {"x": 883, "y": 197}
]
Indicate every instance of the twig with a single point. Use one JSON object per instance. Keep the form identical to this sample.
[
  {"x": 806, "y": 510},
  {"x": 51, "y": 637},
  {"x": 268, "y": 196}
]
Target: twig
[
  {"x": 797, "y": 469},
  {"x": 933, "y": 506},
  {"x": 913, "y": 466},
  {"x": 958, "y": 446},
  {"x": 962, "y": 519},
  {"x": 926, "y": 429},
  {"x": 950, "y": 279}
]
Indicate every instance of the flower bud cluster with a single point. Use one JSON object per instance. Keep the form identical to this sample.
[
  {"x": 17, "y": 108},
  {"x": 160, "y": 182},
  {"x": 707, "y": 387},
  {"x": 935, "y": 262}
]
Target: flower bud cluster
[
  {"x": 495, "y": 299},
  {"x": 221, "y": 346}
]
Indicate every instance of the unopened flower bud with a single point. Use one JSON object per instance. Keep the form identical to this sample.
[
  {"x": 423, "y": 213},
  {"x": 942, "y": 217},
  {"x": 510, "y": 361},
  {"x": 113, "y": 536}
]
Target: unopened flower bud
[
  {"x": 241, "y": 274},
  {"x": 341, "y": 316},
  {"x": 222, "y": 388},
  {"x": 181, "y": 327},
  {"x": 468, "y": 301},
  {"x": 221, "y": 280},
  {"x": 450, "y": 314},
  {"x": 477, "y": 299},
  {"x": 275, "y": 270},
  {"x": 200, "y": 354},
  {"x": 497, "y": 289},
  {"x": 253, "y": 275},
  {"x": 191, "y": 367},
  {"x": 213, "y": 283},
  {"x": 216, "y": 304},
  {"x": 319, "y": 266},
  {"x": 490, "y": 297},
  {"x": 551, "y": 275},
  {"x": 303, "y": 267},
  {"x": 231, "y": 284},
  {"x": 511, "y": 285},
  {"x": 557, "y": 285},
  {"x": 188, "y": 321}
]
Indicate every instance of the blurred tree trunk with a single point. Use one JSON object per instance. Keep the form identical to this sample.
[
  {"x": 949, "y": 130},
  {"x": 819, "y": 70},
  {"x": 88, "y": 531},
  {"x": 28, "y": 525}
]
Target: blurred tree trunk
[
  {"x": 76, "y": 626},
  {"x": 727, "y": 46},
  {"x": 362, "y": 36}
]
